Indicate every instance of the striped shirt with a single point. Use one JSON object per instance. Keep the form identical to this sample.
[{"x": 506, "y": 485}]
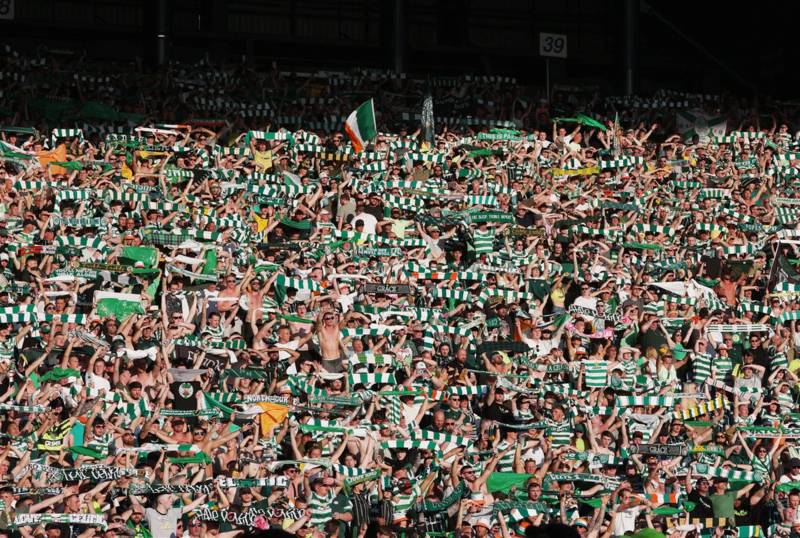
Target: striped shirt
[
  {"x": 361, "y": 504},
  {"x": 320, "y": 507},
  {"x": 483, "y": 241},
  {"x": 100, "y": 444},
  {"x": 506, "y": 463},
  {"x": 560, "y": 433}
]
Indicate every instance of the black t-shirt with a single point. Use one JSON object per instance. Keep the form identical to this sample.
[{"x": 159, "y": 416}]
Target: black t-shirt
[
  {"x": 375, "y": 211},
  {"x": 702, "y": 504},
  {"x": 184, "y": 394},
  {"x": 146, "y": 343},
  {"x": 528, "y": 219},
  {"x": 713, "y": 266},
  {"x": 745, "y": 513},
  {"x": 652, "y": 338}
]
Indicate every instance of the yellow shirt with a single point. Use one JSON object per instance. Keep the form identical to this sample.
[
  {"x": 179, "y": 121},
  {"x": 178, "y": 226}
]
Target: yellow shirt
[
  {"x": 261, "y": 222},
  {"x": 399, "y": 227},
  {"x": 558, "y": 296},
  {"x": 263, "y": 159}
]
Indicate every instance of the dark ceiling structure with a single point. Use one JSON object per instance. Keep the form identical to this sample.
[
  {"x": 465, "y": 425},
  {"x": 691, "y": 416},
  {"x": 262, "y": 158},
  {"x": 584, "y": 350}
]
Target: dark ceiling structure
[{"x": 618, "y": 45}]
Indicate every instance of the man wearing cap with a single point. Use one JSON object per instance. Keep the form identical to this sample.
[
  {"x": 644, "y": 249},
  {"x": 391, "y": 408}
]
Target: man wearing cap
[
  {"x": 482, "y": 527},
  {"x": 698, "y": 494}
]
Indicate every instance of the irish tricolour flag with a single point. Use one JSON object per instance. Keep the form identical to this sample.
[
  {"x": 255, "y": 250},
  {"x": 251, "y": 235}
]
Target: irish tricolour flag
[{"x": 360, "y": 125}]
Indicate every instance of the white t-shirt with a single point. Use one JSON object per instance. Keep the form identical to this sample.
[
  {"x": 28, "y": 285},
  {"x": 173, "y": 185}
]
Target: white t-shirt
[
  {"x": 625, "y": 520},
  {"x": 97, "y": 383},
  {"x": 586, "y": 302},
  {"x": 284, "y": 355},
  {"x": 346, "y": 300},
  {"x": 542, "y": 347},
  {"x": 162, "y": 525},
  {"x": 369, "y": 222}
]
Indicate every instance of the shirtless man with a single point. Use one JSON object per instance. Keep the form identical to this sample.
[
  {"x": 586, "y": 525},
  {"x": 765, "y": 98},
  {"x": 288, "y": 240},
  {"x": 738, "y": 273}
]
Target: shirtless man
[
  {"x": 727, "y": 288},
  {"x": 233, "y": 291},
  {"x": 199, "y": 435},
  {"x": 330, "y": 341}
]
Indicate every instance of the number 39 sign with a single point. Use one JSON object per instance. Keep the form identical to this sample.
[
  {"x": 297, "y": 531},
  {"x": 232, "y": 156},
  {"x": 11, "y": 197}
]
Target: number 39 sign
[{"x": 553, "y": 45}]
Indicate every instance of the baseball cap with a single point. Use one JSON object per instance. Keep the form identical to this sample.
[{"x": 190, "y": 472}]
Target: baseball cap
[{"x": 483, "y": 522}]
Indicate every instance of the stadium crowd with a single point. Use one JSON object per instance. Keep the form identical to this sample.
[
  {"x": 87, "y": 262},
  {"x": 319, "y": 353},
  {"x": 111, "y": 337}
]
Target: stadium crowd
[{"x": 216, "y": 316}]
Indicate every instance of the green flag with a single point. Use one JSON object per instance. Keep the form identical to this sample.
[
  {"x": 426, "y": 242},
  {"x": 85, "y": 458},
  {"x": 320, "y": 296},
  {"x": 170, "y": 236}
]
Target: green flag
[
  {"x": 505, "y": 481},
  {"x": 147, "y": 255},
  {"x": 118, "y": 305}
]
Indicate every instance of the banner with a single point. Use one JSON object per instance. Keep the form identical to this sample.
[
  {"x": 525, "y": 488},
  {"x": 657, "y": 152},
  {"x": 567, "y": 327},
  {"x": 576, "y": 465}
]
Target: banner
[
  {"x": 270, "y": 481},
  {"x": 583, "y": 311},
  {"x": 248, "y": 518},
  {"x": 607, "y": 481},
  {"x": 521, "y": 231},
  {"x": 387, "y": 289},
  {"x": 29, "y": 520},
  {"x": 577, "y": 172},
  {"x": 696, "y": 122},
  {"x": 157, "y": 489},
  {"x": 93, "y": 473},
  {"x": 658, "y": 450},
  {"x": 489, "y": 216},
  {"x": 765, "y": 432},
  {"x": 505, "y": 506},
  {"x": 374, "y": 252}
]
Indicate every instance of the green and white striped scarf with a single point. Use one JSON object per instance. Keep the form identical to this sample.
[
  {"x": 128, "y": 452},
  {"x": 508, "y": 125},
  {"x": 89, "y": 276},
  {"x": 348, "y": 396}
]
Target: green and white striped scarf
[
  {"x": 405, "y": 444},
  {"x": 786, "y": 287},
  {"x": 756, "y": 308},
  {"x": 297, "y": 283},
  {"x": 18, "y": 314},
  {"x": 730, "y": 474},
  {"x": 714, "y": 193},
  {"x": 621, "y": 162},
  {"x": 484, "y": 200},
  {"x": 652, "y": 229},
  {"x": 508, "y": 295},
  {"x": 25, "y": 409},
  {"x": 369, "y": 357},
  {"x": 371, "y": 379},
  {"x": 740, "y": 328},
  {"x": 78, "y": 319},
  {"x": 455, "y": 295},
  {"x": 65, "y": 133},
  {"x": 612, "y": 235},
  {"x": 631, "y": 401},
  {"x": 438, "y": 158},
  {"x": 427, "y": 435},
  {"x": 382, "y": 330},
  {"x": 76, "y": 222},
  {"x": 80, "y": 242}
]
